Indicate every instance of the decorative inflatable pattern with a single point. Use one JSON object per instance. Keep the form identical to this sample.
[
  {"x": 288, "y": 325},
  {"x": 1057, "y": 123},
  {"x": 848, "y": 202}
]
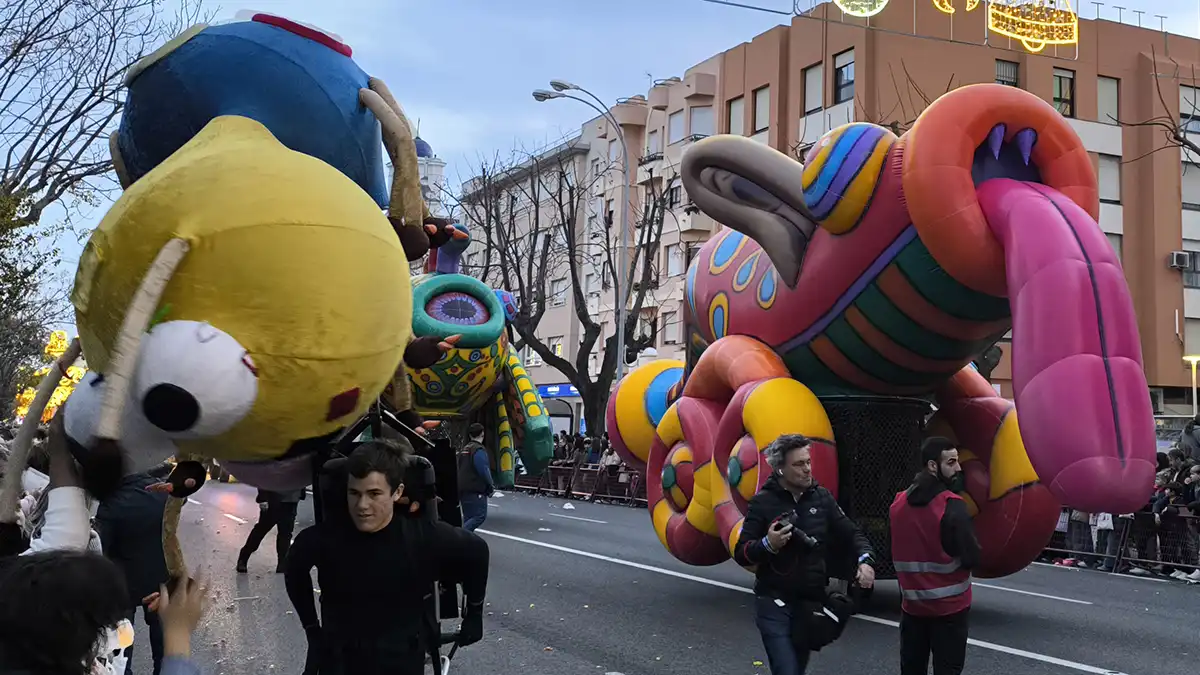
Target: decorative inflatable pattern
[
  {"x": 482, "y": 373},
  {"x": 883, "y": 266}
]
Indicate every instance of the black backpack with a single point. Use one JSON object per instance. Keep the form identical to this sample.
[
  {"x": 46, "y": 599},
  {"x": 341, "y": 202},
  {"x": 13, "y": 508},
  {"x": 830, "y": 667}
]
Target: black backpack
[{"x": 818, "y": 624}]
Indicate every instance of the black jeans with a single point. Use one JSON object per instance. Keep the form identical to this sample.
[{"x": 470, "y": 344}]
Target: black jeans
[
  {"x": 774, "y": 623},
  {"x": 279, "y": 515},
  {"x": 156, "y": 640},
  {"x": 943, "y": 636}
]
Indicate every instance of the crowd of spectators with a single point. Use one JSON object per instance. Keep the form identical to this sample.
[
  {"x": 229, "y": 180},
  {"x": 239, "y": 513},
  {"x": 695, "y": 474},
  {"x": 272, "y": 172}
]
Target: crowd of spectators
[{"x": 1160, "y": 538}]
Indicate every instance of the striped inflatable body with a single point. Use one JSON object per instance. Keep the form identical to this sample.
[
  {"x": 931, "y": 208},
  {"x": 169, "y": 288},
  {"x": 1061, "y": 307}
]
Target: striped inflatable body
[{"x": 884, "y": 267}]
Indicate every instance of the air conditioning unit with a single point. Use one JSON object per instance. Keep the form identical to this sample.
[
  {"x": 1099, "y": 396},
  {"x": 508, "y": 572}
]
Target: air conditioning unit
[
  {"x": 1157, "y": 400},
  {"x": 1181, "y": 260}
]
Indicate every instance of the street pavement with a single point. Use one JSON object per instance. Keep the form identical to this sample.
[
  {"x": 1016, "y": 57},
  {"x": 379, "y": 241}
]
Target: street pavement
[{"x": 589, "y": 590}]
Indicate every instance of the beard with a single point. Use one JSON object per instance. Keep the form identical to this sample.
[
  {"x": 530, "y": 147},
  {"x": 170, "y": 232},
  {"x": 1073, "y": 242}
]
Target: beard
[{"x": 955, "y": 484}]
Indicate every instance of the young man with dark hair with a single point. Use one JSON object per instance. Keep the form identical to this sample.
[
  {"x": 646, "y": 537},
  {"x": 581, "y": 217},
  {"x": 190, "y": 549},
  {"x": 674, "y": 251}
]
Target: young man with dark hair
[
  {"x": 934, "y": 549},
  {"x": 377, "y": 570},
  {"x": 475, "y": 482}
]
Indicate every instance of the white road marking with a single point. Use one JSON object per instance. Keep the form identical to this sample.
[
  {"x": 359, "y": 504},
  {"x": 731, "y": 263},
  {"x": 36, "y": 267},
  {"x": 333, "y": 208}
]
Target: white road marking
[
  {"x": 493, "y": 505},
  {"x": 192, "y": 501},
  {"x": 1038, "y": 595},
  {"x": 1033, "y": 656},
  {"x": 586, "y": 520},
  {"x": 234, "y": 519}
]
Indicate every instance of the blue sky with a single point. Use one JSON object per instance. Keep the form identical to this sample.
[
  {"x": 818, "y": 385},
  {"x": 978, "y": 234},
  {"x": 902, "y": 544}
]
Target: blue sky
[{"x": 465, "y": 68}]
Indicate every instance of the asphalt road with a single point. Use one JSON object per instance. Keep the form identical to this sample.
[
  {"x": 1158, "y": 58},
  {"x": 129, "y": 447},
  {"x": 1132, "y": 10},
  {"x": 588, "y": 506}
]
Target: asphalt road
[{"x": 590, "y": 590}]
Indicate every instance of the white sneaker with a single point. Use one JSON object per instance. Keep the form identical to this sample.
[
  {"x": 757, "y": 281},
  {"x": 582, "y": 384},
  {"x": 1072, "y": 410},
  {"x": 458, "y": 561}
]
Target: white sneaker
[
  {"x": 1178, "y": 574},
  {"x": 1194, "y": 576},
  {"x": 1138, "y": 571}
]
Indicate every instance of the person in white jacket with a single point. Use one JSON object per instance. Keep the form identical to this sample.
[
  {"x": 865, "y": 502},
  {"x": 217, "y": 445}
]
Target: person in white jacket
[{"x": 62, "y": 518}]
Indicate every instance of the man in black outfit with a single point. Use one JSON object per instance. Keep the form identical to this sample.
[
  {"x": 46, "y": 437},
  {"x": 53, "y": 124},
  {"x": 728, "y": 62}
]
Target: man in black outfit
[
  {"x": 934, "y": 549},
  {"x": 377, "y": 569},
  {"x": 129, "y": 522},
  {"x": 790, "y": 559},
  {"x": 278, "y": 510}
]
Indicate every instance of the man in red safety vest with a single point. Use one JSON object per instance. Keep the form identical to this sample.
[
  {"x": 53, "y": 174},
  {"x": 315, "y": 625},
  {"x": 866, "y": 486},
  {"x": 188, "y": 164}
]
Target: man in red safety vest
[{"x": 934, "y": 548}]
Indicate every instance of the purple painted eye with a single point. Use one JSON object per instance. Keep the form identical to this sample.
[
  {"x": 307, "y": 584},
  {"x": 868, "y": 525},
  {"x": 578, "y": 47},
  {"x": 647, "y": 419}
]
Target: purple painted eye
[{"x": 457, "y": 308}]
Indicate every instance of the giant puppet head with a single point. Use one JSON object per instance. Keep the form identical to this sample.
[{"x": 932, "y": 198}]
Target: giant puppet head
[{"x": 240, "y": 301}]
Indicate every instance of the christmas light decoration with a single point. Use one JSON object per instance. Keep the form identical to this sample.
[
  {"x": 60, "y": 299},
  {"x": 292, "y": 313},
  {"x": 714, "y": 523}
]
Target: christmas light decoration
[
  {"x": 1036, "y": 23},
  {"x": 947, "y": 6},
  {"x": 862, "y": 8}
]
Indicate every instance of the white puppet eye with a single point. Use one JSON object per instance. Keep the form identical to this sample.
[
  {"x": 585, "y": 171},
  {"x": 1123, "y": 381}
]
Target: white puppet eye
[{"x": 193, "y": 380}]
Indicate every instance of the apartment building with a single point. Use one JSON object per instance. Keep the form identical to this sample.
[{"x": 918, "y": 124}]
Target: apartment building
[{"x": 789, "y": 85}]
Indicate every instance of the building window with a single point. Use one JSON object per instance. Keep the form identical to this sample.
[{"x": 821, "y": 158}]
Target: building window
[
  {"x": 653, "y": 142},
  {"x": 1189, "y": 112},
  {"x": 596, "y": 170},
  {"x": 556, "y": 345},
  {"x": 701, "y": 122},
  {"x": 1115, "y": 240},
  {"x": 1191, "y": 276},
  {"x": 532, "y": 358},
  {"x": 558, "y": 292},
  {"x": 674, "y": 258},
  {"x": 670, "y": 328},
  {"x": 1064, "y": 92},
  {"x": 675, "y": 127},
  {"x": 692, "y": 251},
  {"x": 674, "y": 196},
  {"x": 762, "y": 109},
  {"x": 1108, "y": 100},
  {"x": 814, "y": 89},
  {"x": 1007, "y": 73},
  {"x": 1190, "y": 185},
  {"x": 737, "y": 116},
  {"x": 608, "y": 213},
  {"x": 843, "y": 77},
  {"x": 1109, "y": 177}
]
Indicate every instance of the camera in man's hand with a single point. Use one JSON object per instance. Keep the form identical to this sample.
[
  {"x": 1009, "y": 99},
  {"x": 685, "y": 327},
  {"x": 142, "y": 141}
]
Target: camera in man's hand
[{"x": 806, "y": 542}]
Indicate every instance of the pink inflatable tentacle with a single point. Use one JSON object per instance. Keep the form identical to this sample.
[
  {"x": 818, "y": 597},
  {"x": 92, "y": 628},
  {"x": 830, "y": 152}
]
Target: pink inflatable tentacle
[{"x": 1076, "y": 353}]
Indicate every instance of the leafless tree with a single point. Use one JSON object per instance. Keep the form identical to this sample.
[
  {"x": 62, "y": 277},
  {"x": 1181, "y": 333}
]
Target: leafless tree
[
  {"x": 1178, "y": 132},
  {"x": 62, "y": 69},
  {"x": 540, "y": 219}
]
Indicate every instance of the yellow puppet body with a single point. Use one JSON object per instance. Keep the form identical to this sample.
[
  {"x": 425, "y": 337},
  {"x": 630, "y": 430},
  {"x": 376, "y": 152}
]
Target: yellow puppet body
[{"x": 287, "y": 256}]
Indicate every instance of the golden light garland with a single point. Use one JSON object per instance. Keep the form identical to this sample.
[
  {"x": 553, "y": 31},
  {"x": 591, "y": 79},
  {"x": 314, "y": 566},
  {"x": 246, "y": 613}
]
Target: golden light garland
[
  {"x": 1036, "y": 23},
  {"x": 947, "y": 6}
]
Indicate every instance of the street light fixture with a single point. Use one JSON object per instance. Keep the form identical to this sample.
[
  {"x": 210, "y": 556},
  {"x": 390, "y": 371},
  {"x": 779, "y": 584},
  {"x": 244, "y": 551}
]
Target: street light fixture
[
  {"x": 541, "y": 95},
  {"x": 1192, "y": 360},
  {"x": 560, "y": 86}
]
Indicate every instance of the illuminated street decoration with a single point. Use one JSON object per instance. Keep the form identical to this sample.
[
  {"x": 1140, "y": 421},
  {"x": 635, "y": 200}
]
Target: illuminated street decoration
[
  {"x": 55, "y": 348},
  {"x": 863, "y": 8},
  {"x": 1036, "y": 23},
  {"x": 947, "y": 6}
]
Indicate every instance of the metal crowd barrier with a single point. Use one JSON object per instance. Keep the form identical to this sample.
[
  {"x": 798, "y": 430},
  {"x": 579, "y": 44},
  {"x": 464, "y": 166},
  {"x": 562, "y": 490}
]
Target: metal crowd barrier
[
  {"x": 587, "y": 482},
  {"x": 1137, "y": 543}
]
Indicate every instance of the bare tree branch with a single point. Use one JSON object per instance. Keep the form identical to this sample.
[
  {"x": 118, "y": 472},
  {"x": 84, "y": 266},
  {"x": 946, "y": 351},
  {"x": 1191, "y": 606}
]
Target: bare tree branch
[{"x": 549, "y": 236}]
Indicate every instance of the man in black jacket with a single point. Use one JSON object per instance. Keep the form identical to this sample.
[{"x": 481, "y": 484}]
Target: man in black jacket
[
  {"x": 787, "y": 534},
  {"x": 376, "y": 566},
  {"x": 130, "y": 522}
]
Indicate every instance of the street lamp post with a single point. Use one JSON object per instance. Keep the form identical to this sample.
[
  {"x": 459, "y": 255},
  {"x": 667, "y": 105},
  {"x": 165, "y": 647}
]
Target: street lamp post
[
  {"x": 1192, "y": 360},
  {"x": 560, "y": 87}
]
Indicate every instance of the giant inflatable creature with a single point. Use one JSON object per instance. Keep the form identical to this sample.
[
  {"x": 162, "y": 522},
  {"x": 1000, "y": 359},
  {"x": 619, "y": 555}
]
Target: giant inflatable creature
[
  {"x": 481, "y": 377},
  {"x": 880, "y": 268},
  {"x": 286, "y": 287}
]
